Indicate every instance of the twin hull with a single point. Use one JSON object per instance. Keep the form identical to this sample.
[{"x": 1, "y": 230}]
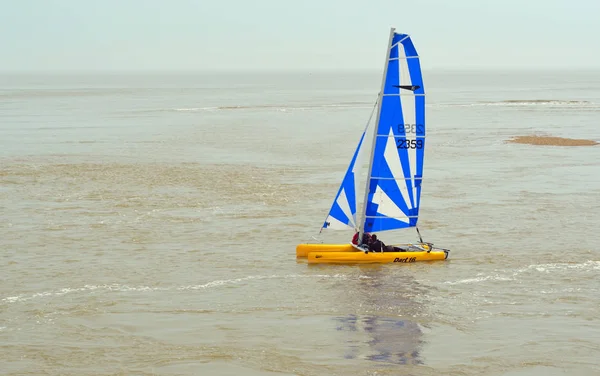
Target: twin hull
[{"x": 347, "y": 254}]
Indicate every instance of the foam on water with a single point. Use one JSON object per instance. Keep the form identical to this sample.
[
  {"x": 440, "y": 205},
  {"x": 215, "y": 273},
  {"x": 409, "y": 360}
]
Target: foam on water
[
  {"x": 266, "y": 107},
  {"x": 126, "y": 288},
  {"x": 507, "y": 275}
]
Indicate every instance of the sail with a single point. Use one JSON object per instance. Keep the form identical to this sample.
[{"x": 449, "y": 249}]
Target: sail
[
  {"x": 343, "y": 210},
  {"x": 396, "y": 169}
]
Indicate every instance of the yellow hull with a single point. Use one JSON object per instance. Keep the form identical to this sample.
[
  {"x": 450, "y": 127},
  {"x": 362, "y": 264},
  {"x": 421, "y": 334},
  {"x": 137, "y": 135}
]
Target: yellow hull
[
  {"x": 302, "y": 250},
  {"x": 374, "y": 258}
]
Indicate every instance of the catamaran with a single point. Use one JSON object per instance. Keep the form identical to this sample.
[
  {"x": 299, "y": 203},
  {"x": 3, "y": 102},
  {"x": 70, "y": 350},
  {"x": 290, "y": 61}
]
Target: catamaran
[{"x": 392, "y": 194}]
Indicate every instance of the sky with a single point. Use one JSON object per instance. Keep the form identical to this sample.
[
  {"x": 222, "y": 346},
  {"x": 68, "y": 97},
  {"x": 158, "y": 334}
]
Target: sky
[{"x": 205, "y": 35}]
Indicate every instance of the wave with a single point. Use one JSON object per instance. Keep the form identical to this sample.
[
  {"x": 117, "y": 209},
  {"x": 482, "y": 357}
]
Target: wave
[
  {"x": 533, "y": 103},
  {"x": 587, "y": 266},
  {"x": 267, "y": 107},
  {"x": 126, "y": 288},
  {"x": 74, "y": 92},
  {"x": 543, "y": 101}
]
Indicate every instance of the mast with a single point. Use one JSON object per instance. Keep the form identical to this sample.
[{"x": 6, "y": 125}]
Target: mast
[{"x": 375, "y": 131}]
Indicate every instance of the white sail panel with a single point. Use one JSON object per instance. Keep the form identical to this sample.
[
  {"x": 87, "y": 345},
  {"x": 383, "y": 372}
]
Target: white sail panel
[
  {"x": 387, "y": 207},
  {"x": 391, "y": 158}
]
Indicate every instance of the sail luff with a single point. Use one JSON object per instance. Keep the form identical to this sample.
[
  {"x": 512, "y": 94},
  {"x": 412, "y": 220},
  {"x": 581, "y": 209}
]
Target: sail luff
[{"x": 379, "y": 104}]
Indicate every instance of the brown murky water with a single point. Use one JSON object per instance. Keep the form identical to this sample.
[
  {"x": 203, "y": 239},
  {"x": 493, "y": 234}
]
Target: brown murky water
[{"x": 149, "y": 227}]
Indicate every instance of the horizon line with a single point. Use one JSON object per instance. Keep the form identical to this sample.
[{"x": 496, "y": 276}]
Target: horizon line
[{"x": 290, "y": 71}]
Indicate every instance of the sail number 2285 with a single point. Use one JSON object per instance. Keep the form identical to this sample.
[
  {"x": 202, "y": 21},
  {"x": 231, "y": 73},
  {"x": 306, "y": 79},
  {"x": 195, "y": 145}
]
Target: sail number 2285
[{"x": 409, "y": 144}]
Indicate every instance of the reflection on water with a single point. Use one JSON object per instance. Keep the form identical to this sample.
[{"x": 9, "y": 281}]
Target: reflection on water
[
  {"x": 390, "y": 340},
  {"x": 384, "y": 328}
]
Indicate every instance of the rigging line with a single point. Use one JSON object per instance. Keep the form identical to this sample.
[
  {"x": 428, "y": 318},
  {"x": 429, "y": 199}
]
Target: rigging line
[{"x": 420, "y": 238}]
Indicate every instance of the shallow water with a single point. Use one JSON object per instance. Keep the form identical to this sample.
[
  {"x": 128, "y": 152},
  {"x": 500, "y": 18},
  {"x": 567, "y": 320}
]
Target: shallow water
[{"x": 149, "y": 226}]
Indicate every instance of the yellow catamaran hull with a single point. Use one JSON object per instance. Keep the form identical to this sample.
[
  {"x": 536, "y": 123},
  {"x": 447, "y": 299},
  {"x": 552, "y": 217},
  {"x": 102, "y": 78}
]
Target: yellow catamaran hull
[
  {"x": 302, "y": 250},
  {"x": 348, "y": 254},
  {"x": 358, "y": 257}
]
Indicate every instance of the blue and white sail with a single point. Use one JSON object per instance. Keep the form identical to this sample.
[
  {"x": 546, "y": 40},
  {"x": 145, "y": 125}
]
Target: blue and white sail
[
  {"x": 342, "y": 214},
  {"x": 393, "y": 189}
]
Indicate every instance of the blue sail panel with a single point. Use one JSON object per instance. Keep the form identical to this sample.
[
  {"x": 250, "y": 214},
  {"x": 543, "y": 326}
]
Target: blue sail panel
[
  {"x": 343, "y": 210},
  {"x": 394, "y": 188}
]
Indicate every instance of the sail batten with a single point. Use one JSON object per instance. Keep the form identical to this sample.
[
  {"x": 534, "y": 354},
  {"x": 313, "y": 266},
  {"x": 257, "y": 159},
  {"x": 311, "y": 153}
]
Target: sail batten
[
  {"x": 404, "y": 58},
  {"x": 403, "y": 94}
]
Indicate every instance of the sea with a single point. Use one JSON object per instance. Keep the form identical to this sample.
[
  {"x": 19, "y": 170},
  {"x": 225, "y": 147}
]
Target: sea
[{"x": 148, "y": 225}]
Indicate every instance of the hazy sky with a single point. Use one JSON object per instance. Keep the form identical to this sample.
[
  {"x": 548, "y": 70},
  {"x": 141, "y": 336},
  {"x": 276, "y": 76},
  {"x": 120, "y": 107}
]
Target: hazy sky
[{"x": 291, "y": 35}]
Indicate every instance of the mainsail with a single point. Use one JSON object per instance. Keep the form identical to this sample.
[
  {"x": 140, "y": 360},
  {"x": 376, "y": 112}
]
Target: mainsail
[{"x": 393, "y": 188}]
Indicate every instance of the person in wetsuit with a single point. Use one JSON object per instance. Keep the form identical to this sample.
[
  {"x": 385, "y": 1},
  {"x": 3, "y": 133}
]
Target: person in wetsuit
[
  {"x": 366, "y": 239},
  {"x": 376, "y": 245}
]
